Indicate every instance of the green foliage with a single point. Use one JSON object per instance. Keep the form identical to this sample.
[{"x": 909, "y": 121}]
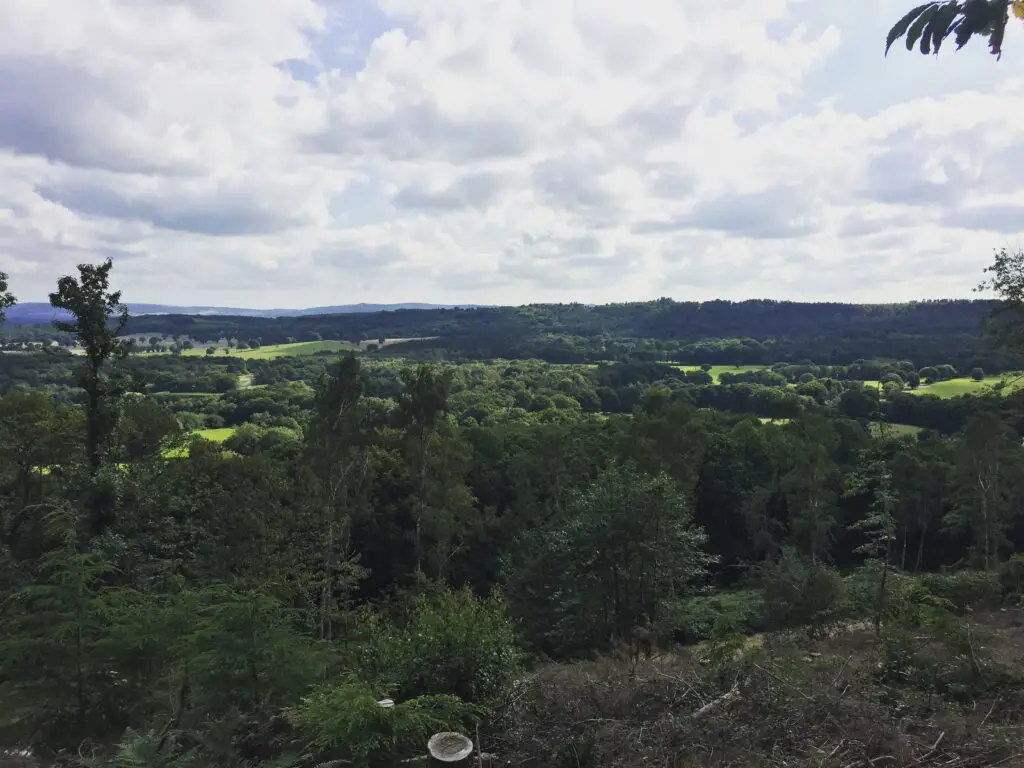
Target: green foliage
[
  {"x": 929, "y": 24},
  {"x": 54, "y": 678},
  {"x": 798, "y": 592},
  {"x": 626, "y": 547},
  {"x": 148, "y": 749},
  {"x": 346, "y": 721},
  {"x": 310, "y": 570},
  {"x": 242, "y": 650},
  {"x": 965, "y": 588},
  {"x": 7, "y": 299},
  {"x": 932, "y": 646},
  {"x": 725, "y": 641},
  {"x": 444, "y": 642},
  {"x": 695, "y": 618},
  {"x": 1011, "y": 575}
]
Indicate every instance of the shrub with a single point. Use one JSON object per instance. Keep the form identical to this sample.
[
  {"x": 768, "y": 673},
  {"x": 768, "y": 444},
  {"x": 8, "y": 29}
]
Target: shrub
[
  {"x": 448, "y": 642},
  {"x": 965, "y": 588},
  {"x": 1011, "y": 575},
  {"x": 797, "y": 592},
  {"x": 346, "y": 722},
  {"x": 953, "y": 658},
  {"x": 693, "y": 619}
]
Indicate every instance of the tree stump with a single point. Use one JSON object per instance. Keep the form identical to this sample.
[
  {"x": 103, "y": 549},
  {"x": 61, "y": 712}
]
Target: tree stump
[{"x": 449, "y": 749}]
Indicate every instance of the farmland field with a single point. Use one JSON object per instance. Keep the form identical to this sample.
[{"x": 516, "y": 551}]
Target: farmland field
[
  {"x": 215, "y": 435},
  {"x": 967, "y": 386},
  {"x": 274, "y": 351},
  {"x": 897, "y": 430},
  {"x": 718, "y": 370}
]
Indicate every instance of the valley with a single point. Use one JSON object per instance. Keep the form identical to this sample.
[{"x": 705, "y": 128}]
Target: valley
[{"x": 798, "y": 526}]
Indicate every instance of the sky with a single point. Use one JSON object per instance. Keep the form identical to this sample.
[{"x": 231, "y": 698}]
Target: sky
[{"x": 295, "y": 153}]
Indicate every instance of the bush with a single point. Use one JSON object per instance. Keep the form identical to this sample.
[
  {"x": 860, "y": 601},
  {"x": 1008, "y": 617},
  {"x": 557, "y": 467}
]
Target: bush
[
  {"x": 860, "y": 592},
  {"x": 1011, "y": 575},
  {"x": 693, "y": 619},
  {"x": 346, "y": 722},
  {"x": 448, "y": 642},
  {"x": 953, "y": 659},
  {"x": 797, "y": 592},
  {"x": 965, "y": 588}
]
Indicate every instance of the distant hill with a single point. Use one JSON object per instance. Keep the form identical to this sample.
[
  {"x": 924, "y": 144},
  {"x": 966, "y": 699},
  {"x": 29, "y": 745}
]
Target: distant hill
[
  {"x": 755, "y": 332},
  {"x": 38, "y": 312}
]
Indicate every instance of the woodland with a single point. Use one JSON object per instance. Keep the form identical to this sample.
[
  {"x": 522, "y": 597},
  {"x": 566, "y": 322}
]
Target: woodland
[
  {"x": 652, "y": 558},
  {"x": 661, "y": 534}
]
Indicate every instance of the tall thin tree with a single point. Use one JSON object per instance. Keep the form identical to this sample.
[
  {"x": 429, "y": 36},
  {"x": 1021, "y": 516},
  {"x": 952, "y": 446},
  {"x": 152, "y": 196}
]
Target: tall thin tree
[
  {"x": 98, "y": 320},
  {"x": 7, "y": 299}
]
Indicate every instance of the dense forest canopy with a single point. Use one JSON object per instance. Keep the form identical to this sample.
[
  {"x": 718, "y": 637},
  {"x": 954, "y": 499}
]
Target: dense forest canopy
[
  {"x": 750, "y": 332},
  {"x": 224, "y": 543}
]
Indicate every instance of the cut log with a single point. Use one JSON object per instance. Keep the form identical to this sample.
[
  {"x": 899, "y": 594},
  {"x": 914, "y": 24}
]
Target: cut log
[
  {"x": 721, "y": 701},
  {"x": 450, "y": 749}
]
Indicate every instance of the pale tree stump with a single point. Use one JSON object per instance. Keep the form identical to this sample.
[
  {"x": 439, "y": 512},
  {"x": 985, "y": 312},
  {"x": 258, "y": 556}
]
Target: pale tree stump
[{"x": 450, "y": 749}]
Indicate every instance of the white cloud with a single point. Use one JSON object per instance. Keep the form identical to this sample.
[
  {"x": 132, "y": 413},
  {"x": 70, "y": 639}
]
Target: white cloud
[{"x": 296, "y": 152}]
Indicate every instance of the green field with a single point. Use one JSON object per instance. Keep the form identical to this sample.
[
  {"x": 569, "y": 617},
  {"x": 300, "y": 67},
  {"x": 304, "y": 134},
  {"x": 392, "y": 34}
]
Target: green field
[
  {"x": 268, "y": 352},
  {"x": 215, "y": 435},
  {"x": 208, "y": 395},
  {"x": 274, "y": 351},
  {"x": 718, "y": 370},
  {"x": 896, "y": 430},
  {"x": 967, "y": 386}
]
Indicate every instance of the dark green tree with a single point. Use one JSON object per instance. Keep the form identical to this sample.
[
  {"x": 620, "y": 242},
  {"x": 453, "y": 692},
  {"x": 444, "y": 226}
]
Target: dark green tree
[
  {"x": 336, "y": 448},
  {"x": 872, "y": 478},
  {"x": 99, "y": 318},
  {"x": 928, "y": 25},
  {"x": 6, "y": 297},
  {"x": 627, "y": 546},
  {"x": 422, "y": 415},
  {"x": 988, "y": 473}
]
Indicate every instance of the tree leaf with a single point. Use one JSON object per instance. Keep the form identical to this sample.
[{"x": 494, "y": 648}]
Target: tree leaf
[
  {"x": 914, "y": 33},
  {"x": 900, "y": 27},
  {"x": 939, "y": 27},
  {"x": 995, "y": 39}
]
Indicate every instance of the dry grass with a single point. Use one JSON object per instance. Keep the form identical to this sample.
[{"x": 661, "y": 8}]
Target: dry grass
[{"x": 822, "y": 704}]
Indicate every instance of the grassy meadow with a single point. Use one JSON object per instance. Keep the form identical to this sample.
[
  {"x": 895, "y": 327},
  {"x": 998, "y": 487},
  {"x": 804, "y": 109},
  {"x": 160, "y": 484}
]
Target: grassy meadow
[
  {"x": 967, "y": 386},
  {"x": 213, "y": 435},
  {"x": 275, "y": 351},
  {"x": 718, "y": 370}
]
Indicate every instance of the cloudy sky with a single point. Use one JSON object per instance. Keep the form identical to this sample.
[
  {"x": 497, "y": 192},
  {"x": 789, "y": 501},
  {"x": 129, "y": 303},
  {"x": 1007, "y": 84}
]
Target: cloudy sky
[{"x": 286, "y": 153}]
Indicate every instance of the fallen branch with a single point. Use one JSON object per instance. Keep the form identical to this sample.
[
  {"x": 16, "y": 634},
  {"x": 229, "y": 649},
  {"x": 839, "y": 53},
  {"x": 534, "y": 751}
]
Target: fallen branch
[
  {"x": 784, "y": 682},
  {"x": 725, "y": 698},
  {"x": 834, "y": 751},
  {"x": 989, "y": 714}
]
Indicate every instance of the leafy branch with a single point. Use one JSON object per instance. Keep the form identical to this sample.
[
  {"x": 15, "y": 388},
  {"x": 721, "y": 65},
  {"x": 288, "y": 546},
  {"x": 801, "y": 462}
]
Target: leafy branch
[{"x": 927, "y": 26}]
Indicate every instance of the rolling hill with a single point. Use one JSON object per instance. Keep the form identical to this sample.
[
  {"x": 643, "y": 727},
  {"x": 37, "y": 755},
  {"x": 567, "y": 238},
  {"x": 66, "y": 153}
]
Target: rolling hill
[{"x": 38, "y": 312}]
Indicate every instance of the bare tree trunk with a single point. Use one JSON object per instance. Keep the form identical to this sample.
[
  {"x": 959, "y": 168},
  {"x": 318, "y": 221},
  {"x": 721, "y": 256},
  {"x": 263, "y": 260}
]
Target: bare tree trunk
[{"x": 920, "y": 548}]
